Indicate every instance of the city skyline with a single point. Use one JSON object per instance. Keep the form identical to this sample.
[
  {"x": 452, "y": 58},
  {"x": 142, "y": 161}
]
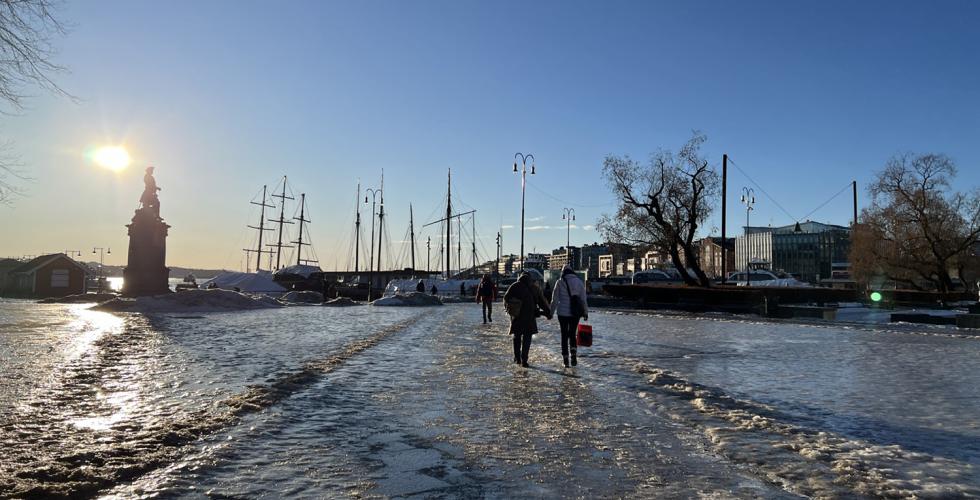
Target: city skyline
[{"x": 804, "y": 101}]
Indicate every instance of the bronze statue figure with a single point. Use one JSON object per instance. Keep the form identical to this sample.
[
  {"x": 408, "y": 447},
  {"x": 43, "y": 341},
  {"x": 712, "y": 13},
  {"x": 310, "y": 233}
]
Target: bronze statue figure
[{"x": 149, "y": 198}]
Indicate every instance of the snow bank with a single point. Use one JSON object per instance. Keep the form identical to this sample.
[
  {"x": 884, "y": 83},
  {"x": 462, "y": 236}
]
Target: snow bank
[
  {"x": 190, "y": 301},
  {"x": 444, "y": 287},
  {"x": 414, "y": 299},
  {"x": 260, "y": 282},
  {"x": 303, "y": 297},
  {"x": 79, "y": 298},
  {"x": 341, "y": 302},
  {"x": 778, "y": 283}
]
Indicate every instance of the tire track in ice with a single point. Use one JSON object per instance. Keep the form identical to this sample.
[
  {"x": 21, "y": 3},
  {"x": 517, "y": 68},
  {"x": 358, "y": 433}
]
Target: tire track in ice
[
  {"x": 57, "y": 467},
  {"x": 804, "y": 461}
]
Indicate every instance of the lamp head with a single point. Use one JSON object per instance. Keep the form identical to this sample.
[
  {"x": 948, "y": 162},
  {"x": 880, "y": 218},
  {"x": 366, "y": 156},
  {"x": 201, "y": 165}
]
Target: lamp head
[
  {"x": 797, "y": 228},
  {"x": 573, "y": 216},
  {"x": 108, "y": 250},
  {"x": 532, "y": 169},
  {"x": 562, "y": 216},
  {"x": 93, "y": 250},
  {"x": 515, "y": 166},
  {"x": 743, "y": 199}
]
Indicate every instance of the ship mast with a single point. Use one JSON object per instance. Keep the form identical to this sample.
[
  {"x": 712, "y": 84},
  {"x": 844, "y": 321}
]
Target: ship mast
[
  {"x": 281, "y": 221},
  {"x": 411, "y": 231},
  {"x": 473, "y": 220},
  {"x": 302, "y": 220},
  {"x": 262, "y": 229},
  {"x": 357, "y": 231},
  {"x": 449, "y": 221},
  {"x": 381, "y": 218}
]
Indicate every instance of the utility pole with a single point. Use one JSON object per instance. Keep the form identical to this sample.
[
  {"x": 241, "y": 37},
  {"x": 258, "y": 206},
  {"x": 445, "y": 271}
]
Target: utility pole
[
  {"x": 428, "y": 254},
  {"x": 524, "y": 159},
  {"x": 724, "y": 203},
  {"x": 854, "y": 190},
  {"x": 374, "y": 193},
  {"x": 569, "y": 216}
]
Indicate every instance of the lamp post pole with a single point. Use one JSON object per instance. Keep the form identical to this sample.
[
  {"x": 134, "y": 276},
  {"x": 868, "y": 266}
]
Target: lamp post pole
[
  {"x": 102, "y": 251},
  {"x": 374, "y": 193},
  {"x": 523, "y": 159},
  {"x": 569, "y": 216},
  {"x": 748, "y": 199}
]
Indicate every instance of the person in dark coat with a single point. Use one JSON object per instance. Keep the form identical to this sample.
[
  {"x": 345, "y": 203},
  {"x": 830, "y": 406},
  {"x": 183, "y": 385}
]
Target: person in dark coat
[
  {"x": 486, "y": 293},
  {"x": 524, "y": 324},
  {"x": 462, "y": 289},
  {"x": 435, "y": 291},
  {"x": 420, "y": 287}
]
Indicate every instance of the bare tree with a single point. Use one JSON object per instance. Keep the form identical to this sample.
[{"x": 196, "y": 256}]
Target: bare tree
[
  {"x": 662, "y": 204},
  {"x": 27, "y": 28},
  {"x": 918, "y": 232}
]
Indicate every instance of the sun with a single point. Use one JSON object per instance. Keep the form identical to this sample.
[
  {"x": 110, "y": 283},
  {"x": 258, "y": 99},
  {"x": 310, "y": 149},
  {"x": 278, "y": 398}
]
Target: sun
[{"x": 114, "y": 158}]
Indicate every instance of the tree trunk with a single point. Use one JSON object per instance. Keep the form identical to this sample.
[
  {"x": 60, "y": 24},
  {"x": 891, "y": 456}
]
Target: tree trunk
[{"x": 675, "y": 257}]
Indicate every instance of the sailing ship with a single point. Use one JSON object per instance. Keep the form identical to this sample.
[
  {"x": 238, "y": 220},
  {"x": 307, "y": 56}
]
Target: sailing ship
[{"x": 278, "y": 277}]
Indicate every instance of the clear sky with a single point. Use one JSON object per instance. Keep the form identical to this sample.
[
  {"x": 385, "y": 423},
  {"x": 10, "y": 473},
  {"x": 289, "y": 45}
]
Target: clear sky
[{"x": 223, "y": 97}]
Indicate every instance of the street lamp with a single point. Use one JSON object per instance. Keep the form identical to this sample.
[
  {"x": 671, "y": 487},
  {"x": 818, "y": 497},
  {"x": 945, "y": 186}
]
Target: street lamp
[
  {"x": 523, "y": 159},
  {"x": 374, "y": 193},
  {"x": 101, "y": 252},
  {"x": 748, "y": 199},
  {"x": 568, "y": 217}
]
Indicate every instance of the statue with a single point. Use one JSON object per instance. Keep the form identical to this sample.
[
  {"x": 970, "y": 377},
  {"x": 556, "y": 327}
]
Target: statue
[
  {"x": 149, "y": 198},
  {"x": 146, "y": 272}
]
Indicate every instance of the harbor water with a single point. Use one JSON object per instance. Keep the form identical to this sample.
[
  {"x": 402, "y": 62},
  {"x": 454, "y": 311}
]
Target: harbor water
[{"x": 382, "y": 402}]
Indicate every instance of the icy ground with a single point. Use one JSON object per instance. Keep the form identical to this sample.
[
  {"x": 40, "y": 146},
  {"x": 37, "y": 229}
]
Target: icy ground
[{"x": 423, "y": 402}]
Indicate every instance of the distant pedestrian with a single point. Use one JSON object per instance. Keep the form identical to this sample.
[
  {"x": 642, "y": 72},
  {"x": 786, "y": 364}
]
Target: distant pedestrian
[
  {"x": 486, "y": 293},
  {"x": 462, "y": 289},
  {"x": 420, "y": 287},
  {"x": 569, "y": 303},
  {"x": 523, "y": 303},
  {"x": 435, "y": 291}
]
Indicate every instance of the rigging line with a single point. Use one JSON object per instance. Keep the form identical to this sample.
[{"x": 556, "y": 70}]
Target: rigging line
[
  {"x": 756, "y": 184},
  {"x": 845, "y": 188},
  {"x": 577, "y": 205}
]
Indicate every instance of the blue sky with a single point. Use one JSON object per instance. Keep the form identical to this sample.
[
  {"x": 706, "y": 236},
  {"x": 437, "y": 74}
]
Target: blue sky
[{"x": 223, "y": 97}]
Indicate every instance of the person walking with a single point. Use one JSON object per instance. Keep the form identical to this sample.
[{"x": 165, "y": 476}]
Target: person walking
[
  {"x": 435, "y": 291},
  {"x": 486, "y": 293},
  {"x": 569, "y": 303},
  {"x": 420, "y": 287},
  {"x": 523, "y": 303}
]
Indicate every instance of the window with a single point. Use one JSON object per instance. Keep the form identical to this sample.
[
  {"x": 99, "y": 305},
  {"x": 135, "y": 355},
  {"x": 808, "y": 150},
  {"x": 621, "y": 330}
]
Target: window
[{"x": 59, "y": 278}]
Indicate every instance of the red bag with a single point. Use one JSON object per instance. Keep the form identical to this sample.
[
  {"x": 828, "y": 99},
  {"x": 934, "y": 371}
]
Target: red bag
[{"x": 584, "y": 335}]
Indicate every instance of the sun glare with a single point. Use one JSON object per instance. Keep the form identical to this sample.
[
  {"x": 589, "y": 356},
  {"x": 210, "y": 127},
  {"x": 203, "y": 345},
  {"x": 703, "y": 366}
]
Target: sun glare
[{"x": 114, "y": 158}]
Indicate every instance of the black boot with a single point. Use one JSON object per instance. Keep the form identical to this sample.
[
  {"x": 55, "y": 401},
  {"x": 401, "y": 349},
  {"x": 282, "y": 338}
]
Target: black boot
[
  {"x": 565, "y": 358},
  {"x": 574, "y": 360}
]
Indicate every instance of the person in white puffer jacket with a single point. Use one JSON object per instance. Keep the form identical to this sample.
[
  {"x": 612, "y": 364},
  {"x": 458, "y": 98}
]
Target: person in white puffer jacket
[{"x": 566, "y": 287}]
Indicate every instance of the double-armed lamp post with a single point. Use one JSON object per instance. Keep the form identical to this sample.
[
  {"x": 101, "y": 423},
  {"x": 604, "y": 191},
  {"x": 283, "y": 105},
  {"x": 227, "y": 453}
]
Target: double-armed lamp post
[
  {"x": 374, "y": 193},
  {"x": 101, "y": 251},
  {"x": 523, "y": 158},
  {"x": 568, "y": 217},
  {"x": 748, "y": 199}
]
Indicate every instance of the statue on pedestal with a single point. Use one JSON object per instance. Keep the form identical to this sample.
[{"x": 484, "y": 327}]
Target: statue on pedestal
[
  {"x": 149, "y": 198},
  {"x": 146, "y": 272}
]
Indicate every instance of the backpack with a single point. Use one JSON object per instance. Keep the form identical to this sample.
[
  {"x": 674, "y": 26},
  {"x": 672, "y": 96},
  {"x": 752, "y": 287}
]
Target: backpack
[{"x": 575, "y": 303}]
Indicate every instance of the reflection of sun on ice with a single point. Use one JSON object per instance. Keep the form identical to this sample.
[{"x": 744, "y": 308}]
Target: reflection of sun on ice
[{"x": 112, "y": 157}]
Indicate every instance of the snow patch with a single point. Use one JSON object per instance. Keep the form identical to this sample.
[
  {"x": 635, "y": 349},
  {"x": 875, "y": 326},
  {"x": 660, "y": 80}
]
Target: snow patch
[
  {"x": 190, "y": 301},
  {"x": 414, "y": 299}
]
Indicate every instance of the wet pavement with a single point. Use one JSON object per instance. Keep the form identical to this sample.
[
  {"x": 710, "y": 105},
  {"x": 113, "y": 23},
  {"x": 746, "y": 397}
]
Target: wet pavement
[{"x": 424, "y": 402}]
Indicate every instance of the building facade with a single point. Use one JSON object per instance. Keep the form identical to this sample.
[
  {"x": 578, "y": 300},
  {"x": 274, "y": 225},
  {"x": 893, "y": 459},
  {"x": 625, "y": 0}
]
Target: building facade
[
  {"x": 809, "y": 254},
  {"x": 559, "y": 258},
  {"x": 53, "y": 275}
]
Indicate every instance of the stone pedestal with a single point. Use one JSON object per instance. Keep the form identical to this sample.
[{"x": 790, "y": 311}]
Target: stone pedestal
[{"x": 145, "y": 272}]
